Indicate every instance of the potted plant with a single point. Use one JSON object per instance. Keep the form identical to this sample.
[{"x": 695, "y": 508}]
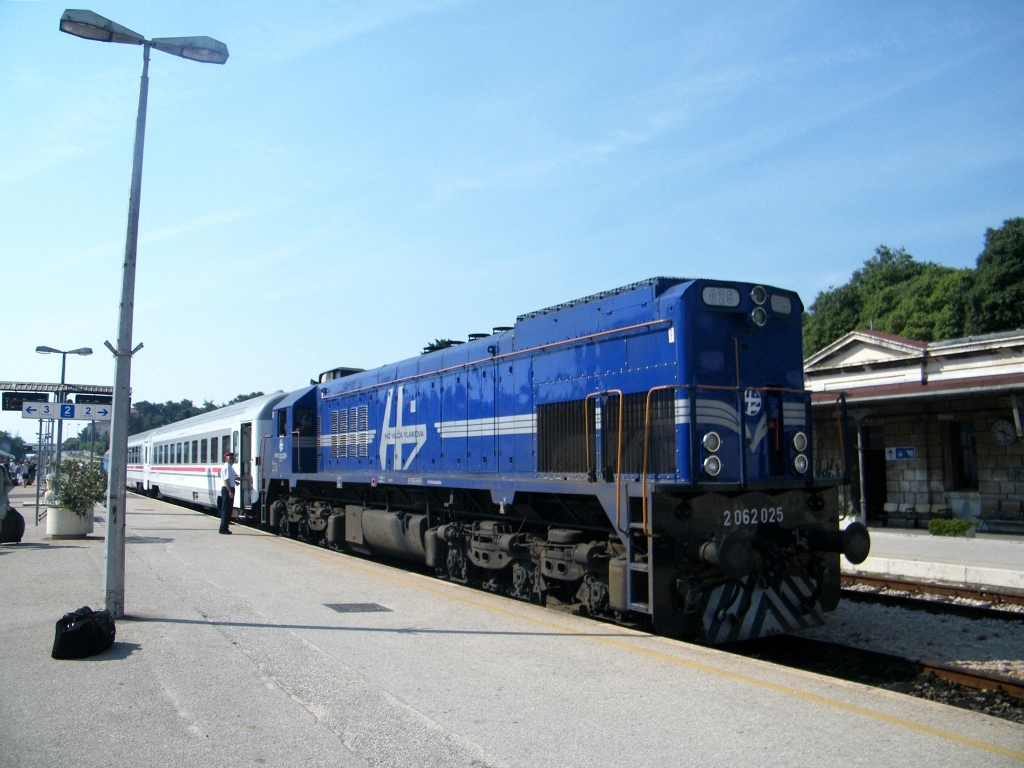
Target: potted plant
[{"x": 80, "y": 485}]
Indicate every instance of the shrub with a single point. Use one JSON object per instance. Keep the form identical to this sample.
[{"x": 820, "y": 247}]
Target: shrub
[
  {"x": 80, "y": 485},
  {"x": 940, "y": 527}
]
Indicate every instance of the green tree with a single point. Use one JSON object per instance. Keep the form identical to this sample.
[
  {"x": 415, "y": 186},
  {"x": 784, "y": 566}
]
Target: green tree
[
  {"x": 242, "y": 398},
  {"x": 893, "y": 293},
  {"x": 996, "y": 302},
  {"x": 89, "y": 439},
  {"x": 12, "y": 444},
  {"x": 146, "y": 415}
]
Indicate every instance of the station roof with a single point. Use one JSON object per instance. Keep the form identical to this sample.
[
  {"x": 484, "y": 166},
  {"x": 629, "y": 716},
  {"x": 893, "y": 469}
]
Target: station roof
[
  {"x": 35, "y": 386},
  {"x": 872, "y": 366}
]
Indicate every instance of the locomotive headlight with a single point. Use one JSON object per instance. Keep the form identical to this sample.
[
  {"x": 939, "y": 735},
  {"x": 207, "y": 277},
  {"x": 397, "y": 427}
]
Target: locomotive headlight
[
  {"x": 758, "y": 295},
  {"x": 800, "y": 464},
  {"x": 800, "y": 442},
  {"x": 711, "y": 442},
  {"x": 759, "y": 316},
  {"x": 712, "y": 465}
]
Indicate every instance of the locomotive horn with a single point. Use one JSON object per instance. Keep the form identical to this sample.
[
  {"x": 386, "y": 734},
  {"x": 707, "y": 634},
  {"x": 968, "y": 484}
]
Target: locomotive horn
[
  {"x": 734, "y": 554},
  {"x": 854, "y": 543}
]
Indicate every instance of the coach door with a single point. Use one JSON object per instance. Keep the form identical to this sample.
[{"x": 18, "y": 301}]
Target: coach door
[{"x": 245, "y": 466}]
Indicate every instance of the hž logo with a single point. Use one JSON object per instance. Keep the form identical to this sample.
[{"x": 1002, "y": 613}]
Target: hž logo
[
  {"x": 752, "y": 407},
  {"x": 400, "y": 434},
  {"x": 752, "y": 402}
]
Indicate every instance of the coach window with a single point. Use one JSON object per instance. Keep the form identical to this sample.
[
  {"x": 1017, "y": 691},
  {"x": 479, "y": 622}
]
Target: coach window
[
  {"x": 195, "y": 451},
  {"x": 177, "y": 453},
  {"x": 225, "y": 444},
  {"x": 214, "y": 458},
  {"x": 202, "y": 451}
]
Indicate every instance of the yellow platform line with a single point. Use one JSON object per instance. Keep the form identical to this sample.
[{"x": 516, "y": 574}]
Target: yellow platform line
[{"x": 344, "y": 561}]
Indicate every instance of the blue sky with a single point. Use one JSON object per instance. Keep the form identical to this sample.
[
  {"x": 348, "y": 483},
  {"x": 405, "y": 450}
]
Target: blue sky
[{"x": 363, "y": 177}]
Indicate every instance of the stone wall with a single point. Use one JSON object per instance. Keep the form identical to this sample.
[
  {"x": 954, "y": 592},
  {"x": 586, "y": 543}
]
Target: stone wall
[{"x": 926, "y": 426}]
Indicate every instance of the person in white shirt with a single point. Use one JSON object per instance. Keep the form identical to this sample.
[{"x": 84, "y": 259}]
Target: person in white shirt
[{"x": 229, "y": 479}]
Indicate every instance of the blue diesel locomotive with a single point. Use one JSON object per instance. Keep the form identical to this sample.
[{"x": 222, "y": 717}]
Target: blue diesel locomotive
[{"x": 641, "y": 454}]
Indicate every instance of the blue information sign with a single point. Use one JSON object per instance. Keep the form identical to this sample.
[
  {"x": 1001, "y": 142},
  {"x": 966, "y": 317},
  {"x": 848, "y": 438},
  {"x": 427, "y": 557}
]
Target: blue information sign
[{"x": 901, "y": 453}]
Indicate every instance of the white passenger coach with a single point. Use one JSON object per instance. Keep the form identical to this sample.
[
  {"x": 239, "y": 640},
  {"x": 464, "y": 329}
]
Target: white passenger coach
[{"x": 183, "y": 460}]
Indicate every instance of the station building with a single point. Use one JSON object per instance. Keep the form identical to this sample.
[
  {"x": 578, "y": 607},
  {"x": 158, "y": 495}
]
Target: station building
[{"x": 934, "y": 425}]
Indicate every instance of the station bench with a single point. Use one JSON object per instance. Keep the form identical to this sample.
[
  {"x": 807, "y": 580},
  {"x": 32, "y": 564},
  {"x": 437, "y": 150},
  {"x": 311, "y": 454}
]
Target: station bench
[
  {"x": 1001, "y": 516},
  {"x": 907, "y": 514}
]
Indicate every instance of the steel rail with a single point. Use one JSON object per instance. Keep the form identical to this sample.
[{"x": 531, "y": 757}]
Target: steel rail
[
  {"x": 982, "y": 594},
  {"x": 971, "y": 678},
  {"x": 937, "y": 607}
]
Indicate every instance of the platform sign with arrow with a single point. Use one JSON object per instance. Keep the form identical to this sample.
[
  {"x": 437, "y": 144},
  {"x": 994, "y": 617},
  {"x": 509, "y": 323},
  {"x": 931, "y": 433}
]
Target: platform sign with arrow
[{"x": 66, "y": 411}]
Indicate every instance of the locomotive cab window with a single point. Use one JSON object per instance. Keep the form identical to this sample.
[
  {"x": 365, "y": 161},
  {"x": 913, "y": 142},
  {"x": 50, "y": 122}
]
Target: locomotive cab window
[
  {"x": 282, "y": 423},
  {"x": 305, "y": 421}
]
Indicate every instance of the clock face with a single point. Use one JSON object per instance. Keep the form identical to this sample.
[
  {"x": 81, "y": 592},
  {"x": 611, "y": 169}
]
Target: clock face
[{"x": 1004, "y": 433}]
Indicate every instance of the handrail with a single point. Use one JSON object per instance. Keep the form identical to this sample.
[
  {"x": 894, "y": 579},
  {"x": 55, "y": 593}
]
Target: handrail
[
  {"x": 618, "y": 460},
  {"x": 840, "y": 402},
  {"x": 647, "y": 440}
]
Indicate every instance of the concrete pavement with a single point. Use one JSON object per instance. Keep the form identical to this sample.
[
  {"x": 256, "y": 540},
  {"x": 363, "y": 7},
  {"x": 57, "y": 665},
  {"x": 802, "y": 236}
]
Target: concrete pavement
[
  {"x": 230, "y": 656},
  {"x": 989, "y": 559}
]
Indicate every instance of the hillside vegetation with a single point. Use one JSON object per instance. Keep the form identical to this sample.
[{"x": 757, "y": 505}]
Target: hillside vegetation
[{"x": 895, "y": 293}]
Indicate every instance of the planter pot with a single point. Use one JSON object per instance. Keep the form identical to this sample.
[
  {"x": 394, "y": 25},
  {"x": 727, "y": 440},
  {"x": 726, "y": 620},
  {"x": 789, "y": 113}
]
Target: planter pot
[{"x": 64, "y": 524}]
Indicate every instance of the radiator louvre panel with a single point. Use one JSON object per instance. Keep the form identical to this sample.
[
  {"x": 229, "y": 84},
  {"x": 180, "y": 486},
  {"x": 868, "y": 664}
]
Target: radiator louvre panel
[
  {"x": 562, "y": 436},
  {"x": 661, "y": 448},
  {"x": 562, "y": 430}
]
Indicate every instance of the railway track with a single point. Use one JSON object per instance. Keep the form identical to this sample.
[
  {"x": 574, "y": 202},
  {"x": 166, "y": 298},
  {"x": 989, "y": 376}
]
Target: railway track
[
  {"x": 985, "y": 692},
  {"x": 936, "y": 598}
]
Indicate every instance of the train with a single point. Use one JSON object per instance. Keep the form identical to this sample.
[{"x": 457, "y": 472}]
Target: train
[{"x": 642, "y": 455}]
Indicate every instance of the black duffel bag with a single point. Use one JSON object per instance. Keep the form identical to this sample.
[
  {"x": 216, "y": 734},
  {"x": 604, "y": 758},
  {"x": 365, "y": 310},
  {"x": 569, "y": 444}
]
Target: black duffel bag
[
  {"x": 12, "y": 528},
  {"x": 82, "y": 633}
]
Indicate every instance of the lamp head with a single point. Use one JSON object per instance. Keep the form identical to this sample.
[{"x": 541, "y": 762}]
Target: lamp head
[
  {"x": 47, "y": 351},
  {"x": 83, "y": 351},
  {"x": 92, "y": 26},
  {"x": 204, "y": 49}
]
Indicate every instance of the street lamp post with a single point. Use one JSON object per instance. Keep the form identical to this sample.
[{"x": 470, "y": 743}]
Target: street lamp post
[
  {"x": 60, "y": 395},
  {"x": 92, "y": 26}
]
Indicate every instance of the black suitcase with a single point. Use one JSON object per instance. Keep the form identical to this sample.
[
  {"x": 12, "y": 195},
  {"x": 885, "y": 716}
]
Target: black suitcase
[
  {"x": 12, "y": 528},
  {"x": 83, "y": 633}
]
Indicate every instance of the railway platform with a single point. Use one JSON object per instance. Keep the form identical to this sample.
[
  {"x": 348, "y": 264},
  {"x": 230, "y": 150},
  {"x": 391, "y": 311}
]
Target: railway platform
[
  {"x": 250, "y": 650},
  {"x": 987, "y": 560}
]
